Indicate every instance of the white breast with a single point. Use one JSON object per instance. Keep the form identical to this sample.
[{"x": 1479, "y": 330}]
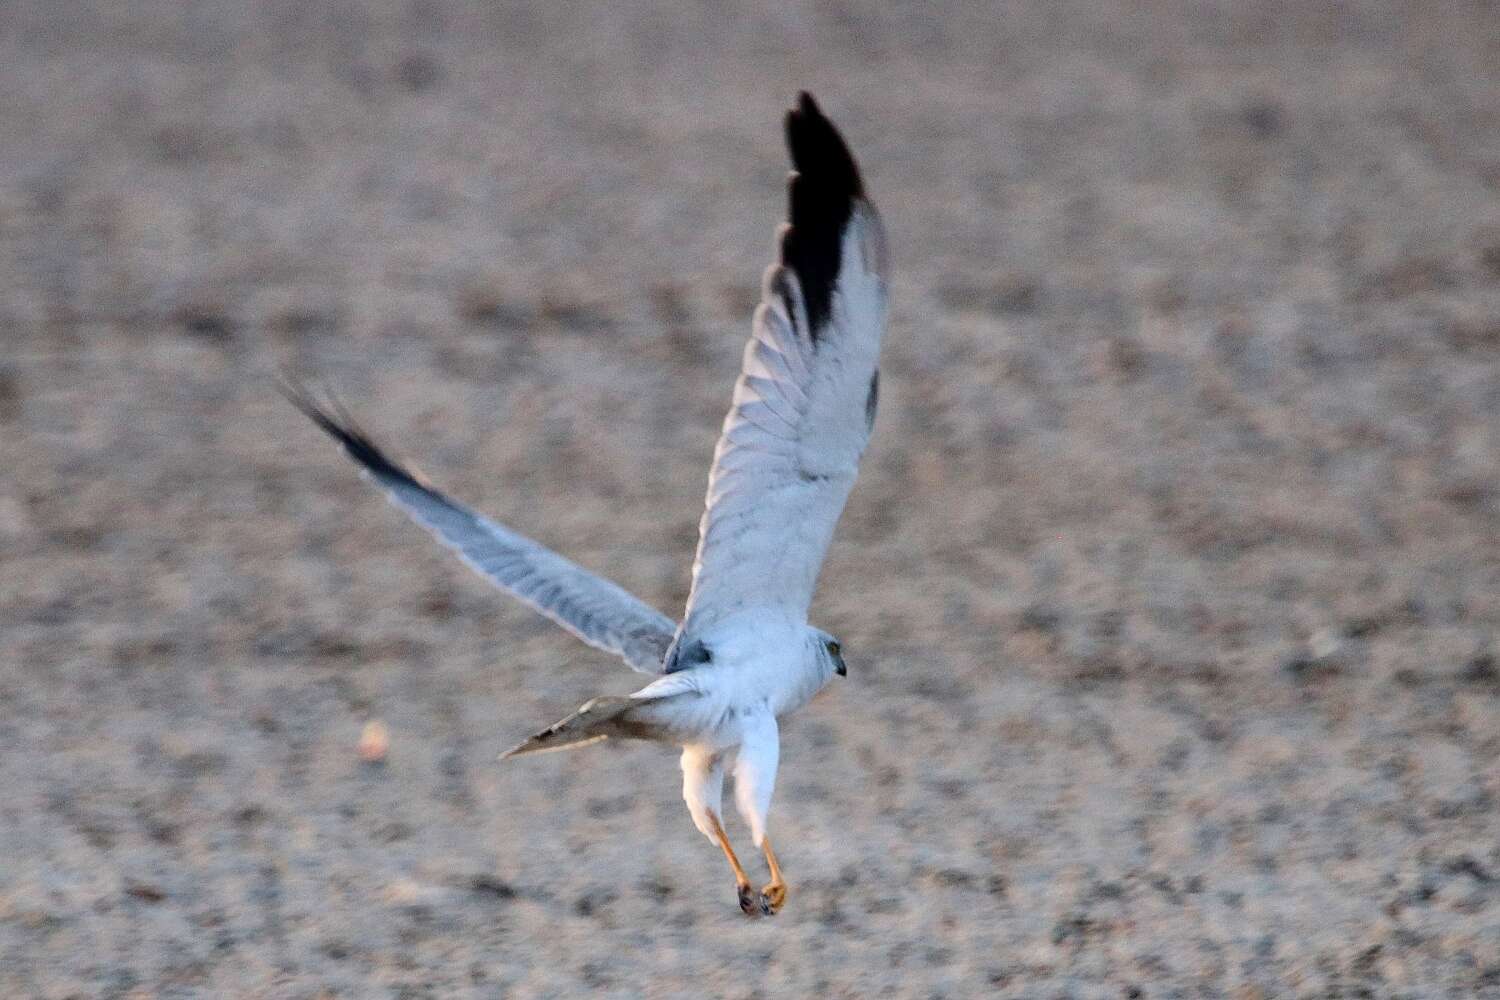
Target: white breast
[
  {"x": 758, "y": 663},
  {"x": 763, "y": 660}
]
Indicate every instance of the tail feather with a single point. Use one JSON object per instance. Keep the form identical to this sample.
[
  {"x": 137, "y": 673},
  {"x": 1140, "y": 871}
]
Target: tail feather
[{"x": 595, "y": 722}]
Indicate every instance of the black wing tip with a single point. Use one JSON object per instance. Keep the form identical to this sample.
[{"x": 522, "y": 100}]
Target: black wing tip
[
  {"x": 818, "y": 150},
  {"x": 333, "y": 420},
  {"x": 821, "y": 194}
]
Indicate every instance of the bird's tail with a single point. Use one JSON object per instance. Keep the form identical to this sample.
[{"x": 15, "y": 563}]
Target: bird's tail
[{"x": 595, "y": 722}]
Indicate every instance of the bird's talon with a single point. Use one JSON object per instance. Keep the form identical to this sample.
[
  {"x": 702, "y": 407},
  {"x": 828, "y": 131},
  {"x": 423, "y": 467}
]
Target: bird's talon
[
  {"x": 747, "y": 899},
  {"x": 771, "y": 898}
]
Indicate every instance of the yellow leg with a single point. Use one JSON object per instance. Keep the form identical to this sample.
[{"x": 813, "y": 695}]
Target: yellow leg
[
  {"x": 741, "y": 880},
  {"x": 774, "y": 893}
]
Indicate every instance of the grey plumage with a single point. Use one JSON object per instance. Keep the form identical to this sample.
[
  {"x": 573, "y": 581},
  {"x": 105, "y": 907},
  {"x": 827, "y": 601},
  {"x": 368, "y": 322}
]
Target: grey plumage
[{"x": 595, "y": 610}]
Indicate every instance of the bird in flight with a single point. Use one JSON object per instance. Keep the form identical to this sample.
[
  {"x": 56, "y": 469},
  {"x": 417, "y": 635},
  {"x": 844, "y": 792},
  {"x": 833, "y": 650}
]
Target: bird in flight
[{"x": 803, "y": 408}]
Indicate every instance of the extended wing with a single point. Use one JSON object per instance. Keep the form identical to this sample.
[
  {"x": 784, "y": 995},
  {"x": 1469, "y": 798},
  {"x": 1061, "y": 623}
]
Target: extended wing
[
  {"x": 595, "y": 610},
  {"x": 805, "y": 400}
]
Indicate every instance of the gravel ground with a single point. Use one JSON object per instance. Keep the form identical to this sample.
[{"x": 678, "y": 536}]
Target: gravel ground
[{"x": 1170, "y": 588}]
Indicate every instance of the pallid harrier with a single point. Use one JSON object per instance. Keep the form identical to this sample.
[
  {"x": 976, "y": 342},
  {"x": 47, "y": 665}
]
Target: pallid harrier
[{"x": 801, "y": 415}]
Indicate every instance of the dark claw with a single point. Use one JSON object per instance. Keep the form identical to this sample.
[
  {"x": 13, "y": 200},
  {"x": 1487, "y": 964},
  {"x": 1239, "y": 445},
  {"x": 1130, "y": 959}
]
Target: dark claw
[
  {"x": 747, "y": 900},
  {"x": 766, "y": 909}
]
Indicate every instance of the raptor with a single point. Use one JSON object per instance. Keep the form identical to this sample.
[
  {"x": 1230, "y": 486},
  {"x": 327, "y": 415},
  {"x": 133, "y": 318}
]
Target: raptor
[{"x": 744, "y": 654}]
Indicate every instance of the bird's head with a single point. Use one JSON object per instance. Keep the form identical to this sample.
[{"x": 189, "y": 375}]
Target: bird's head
[{"x": 830, "y": 653}]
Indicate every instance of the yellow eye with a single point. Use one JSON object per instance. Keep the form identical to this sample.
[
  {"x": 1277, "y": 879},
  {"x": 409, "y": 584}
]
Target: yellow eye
[{"x": 833, "y": 648}]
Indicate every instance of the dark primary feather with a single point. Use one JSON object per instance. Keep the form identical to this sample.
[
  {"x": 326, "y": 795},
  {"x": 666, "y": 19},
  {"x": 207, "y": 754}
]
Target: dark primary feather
[
  {"x": 342, "y": 428},
  {"x": 593, "y": 609},
  {"x": 821, "y": 195}
]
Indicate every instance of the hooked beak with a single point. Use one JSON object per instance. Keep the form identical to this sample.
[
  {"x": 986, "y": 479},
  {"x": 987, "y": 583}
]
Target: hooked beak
[{"x": 840, "y": 669}]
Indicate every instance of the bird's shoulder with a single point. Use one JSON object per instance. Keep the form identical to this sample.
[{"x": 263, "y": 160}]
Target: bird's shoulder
[{"x": 741, "y": 639}]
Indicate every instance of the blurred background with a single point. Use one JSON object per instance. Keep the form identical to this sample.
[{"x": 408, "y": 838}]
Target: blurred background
[{"x": 1169, "y": 589}]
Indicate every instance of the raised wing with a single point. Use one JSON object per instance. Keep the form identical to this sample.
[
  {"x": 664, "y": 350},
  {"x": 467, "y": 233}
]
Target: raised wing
[
  {"x": 595, "y": 610},
  {"x": 805, "y": 400}
]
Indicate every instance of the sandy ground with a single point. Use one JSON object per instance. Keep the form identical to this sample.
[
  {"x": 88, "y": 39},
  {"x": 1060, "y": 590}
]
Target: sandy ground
[{"x": 1170, "y": 587}]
